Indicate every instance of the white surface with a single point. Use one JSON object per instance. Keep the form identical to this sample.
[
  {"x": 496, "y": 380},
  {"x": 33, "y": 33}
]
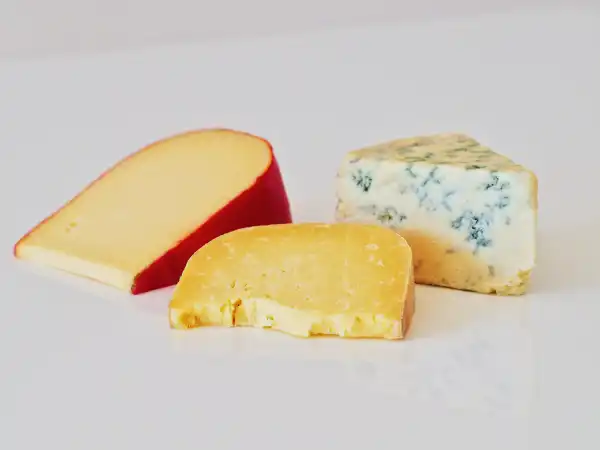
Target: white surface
[
  {"x": 38, "y": 27},
  {"x": 83, "y": 366}
]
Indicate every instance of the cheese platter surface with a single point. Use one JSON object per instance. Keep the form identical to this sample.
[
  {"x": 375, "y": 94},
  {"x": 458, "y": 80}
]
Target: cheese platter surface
[{"x": 379, "y": 228}]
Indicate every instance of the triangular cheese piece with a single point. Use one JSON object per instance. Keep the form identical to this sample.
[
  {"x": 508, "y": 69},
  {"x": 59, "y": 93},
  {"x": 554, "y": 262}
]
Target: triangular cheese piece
[
  {"x": 469, "y": 213},
  {"x": 136, "y": 226}
]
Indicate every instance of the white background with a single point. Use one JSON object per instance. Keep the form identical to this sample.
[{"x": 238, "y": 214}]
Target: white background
[
  {"x": 38, "y": 27},
  {"x": 84, "y": 367}
]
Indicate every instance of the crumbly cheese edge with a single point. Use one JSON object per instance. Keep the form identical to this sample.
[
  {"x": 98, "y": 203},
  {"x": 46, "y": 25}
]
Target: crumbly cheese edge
[{"x": 269, "y": 314}]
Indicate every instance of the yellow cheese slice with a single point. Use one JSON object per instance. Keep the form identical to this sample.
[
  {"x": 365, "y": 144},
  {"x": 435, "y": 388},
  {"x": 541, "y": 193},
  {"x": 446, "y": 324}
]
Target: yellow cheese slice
[
  {"x": 136, "y": 226},
  {"x": 349, "y": 280}
]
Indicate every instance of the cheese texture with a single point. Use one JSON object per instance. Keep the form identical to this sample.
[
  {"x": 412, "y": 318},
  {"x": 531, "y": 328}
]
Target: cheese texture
[
  {"x": 349, "y": 280},
  {"x": 136, "y": 226},
  {"x": 469, "y": 214}
]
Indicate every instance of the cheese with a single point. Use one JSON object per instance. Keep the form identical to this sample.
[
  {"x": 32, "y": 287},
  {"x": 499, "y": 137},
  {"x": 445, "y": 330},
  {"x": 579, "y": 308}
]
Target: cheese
[
  {"x": 136, "y": 226},
  {"x": 469, "y": 214},
  {"x": 349, "y": 280}
]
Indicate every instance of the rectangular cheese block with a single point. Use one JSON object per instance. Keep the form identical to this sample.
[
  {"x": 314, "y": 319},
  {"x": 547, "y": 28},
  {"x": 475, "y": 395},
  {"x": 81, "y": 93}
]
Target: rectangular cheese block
[
  {"x": 349, "y": 280},
  {"x": 469, "y": 214},
  {"x": 136, "y": 226}
]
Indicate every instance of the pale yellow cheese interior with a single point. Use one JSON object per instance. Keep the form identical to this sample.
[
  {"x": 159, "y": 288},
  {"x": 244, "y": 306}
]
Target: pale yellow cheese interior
[
  {"x": 146, "y": 204},
  {"x": 349, "y": 280},
  {"x": 439, "y": 264}
]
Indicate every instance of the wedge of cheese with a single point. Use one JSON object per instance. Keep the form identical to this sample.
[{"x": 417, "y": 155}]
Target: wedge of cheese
[
  {"x": 136, "y": 226},
  {"x": 469, "y": 214},
  {"x": 348, "y": 280}
]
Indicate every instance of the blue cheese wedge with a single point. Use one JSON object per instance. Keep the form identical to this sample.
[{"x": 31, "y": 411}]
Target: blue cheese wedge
[{"x": 468, "y": 213}]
